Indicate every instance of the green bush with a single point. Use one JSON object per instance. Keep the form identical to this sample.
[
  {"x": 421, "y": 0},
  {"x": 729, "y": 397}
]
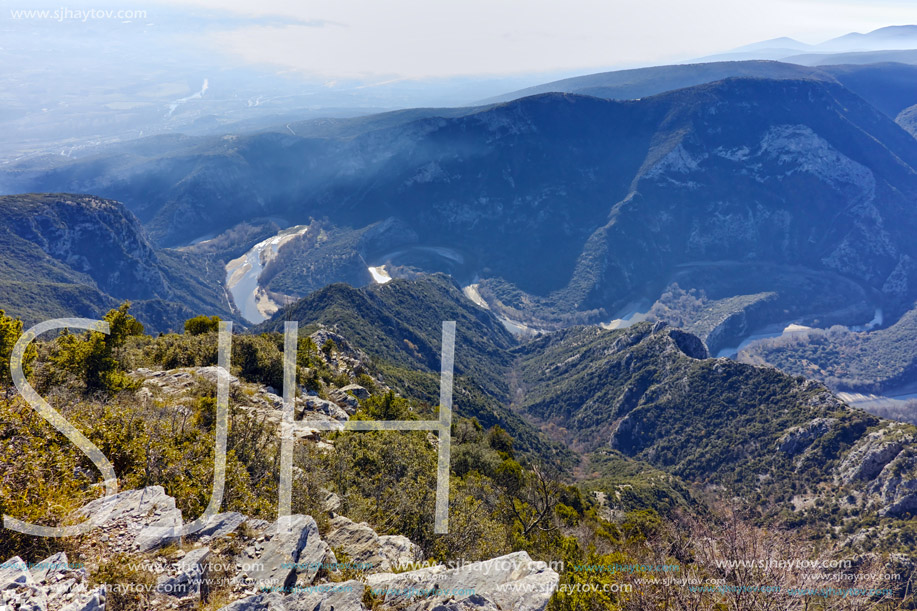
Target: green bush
[
  {"x": 92, "y": 360},
  {"x": 258, "y": 359},
  {"x": 10, "y": 332},
  {"x": 201, "y": 325}
]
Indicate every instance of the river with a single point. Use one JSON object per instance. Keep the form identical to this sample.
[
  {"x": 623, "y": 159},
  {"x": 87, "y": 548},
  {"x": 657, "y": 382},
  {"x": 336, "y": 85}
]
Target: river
[{"x": 243, "y": 274}]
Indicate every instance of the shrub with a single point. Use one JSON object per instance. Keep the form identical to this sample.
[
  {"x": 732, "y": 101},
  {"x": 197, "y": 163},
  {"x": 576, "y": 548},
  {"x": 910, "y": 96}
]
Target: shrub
[
  {"x": 200, "y": 325},
  {"x": 10, "y": 332},
  {"x": 92, "y": 358},
  {"x": 258, "y": 360}
]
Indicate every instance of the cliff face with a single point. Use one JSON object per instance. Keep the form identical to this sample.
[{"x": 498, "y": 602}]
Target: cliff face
[
  {"x": 78, "y": 255},
  {"x": 95, "y": 237}
]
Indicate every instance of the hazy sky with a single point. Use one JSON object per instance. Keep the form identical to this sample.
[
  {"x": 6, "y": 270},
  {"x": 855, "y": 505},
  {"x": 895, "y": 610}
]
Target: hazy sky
[{"x": 416, "y": 38}]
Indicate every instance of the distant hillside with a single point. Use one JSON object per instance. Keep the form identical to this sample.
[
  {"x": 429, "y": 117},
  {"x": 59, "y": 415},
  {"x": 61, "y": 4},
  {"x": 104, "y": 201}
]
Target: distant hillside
[
  {"x": 870, "y": 362},
  {"x": 883, "y": 44},
  {"x": 645, "y": 82},
  {"x": 77, "y": 255},
  {"x": 648, "y": 393},
  {"x": 400, "y": 325},
  {"x": 888, "y": 86}
]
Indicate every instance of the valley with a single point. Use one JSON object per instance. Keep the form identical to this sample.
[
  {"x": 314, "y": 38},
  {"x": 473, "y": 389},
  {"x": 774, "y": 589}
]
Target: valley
[{"x": 685, "y": 308}]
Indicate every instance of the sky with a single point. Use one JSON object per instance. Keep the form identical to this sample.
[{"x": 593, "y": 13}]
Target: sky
[{"x": 421, "y": 38}]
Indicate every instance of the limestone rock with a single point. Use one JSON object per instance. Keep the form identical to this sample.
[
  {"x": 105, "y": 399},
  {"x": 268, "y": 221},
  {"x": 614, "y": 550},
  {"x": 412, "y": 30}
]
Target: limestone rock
[
  {"x": 143, "y": 520},
  {"x": 190, "y": 580},
  {"x": 346, "y": 596},
  {"x": 313, "y": 408},
  {"x": 344, "y": 400},
  {"x": 94, "y": 601},
  {"x": 797, "y": 439},
  {"x": 364, "y": 547},
  {"x": 291, "y": 555},
  {"x": 513, "y": 581},
  {"x": 357, "y": 391},
  {"x": 472, "y": 603},
  {"x": 871, "y": 453},
  {"x": 14, "y": 573},
  {"x": 50, "y": 568},
  {"x": 220, "y": 525}
]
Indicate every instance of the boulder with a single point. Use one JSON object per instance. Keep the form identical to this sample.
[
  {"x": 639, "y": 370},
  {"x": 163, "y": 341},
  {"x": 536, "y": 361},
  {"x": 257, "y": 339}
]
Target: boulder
[
  {"x": 191, "y": 577},
  {"x": 368, "y": 550},
  {"x": 219, "y": 525},
  {"x": 313, "y": 408},
  {"x": 513, "y": 581},
  {"x": 50, "y": 568},
  {"x": 14, "y": 573},
  {"x": 290, "y": 556},
  {"x": 138, "y": 520},
  {"x": 346, "y": 596},
  {"x": 330, "y": 501},
  {"x": 346, "y": 401}
]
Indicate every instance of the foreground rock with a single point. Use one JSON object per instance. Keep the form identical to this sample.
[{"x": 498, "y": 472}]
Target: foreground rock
[
  {"x": 218, "y": 526},
  {"x": 369, "y": 551},
  {"x": 346, "y": 596},
  {"x": 192, "y": 576},
  {"x": 513, "y": 581},
  {"x": 136, "y": 520},
  {"x": 287, "y": 556},
  {"x": 50, "y": 585},
  {"x": 281, "y": 566}
]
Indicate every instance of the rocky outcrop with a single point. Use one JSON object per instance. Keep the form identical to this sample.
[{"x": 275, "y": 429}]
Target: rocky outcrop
[
  {"x": 99, "y": 238},
  {"x": 218, "y": 526},
  {"x": 798, "y": 439},
  {"x": 345, "y": 400},
  {"x": 192, "y": 574},
  {"x": 513, "y": 581},
  {"x": 871, "y": 454},
  {"x": 177, "y": 386},
  {"x": 884, "y": 465},
  {"x": 357, "y": 391},
  {"x": 369, "y": 551},
  {"x": 290, "y": 553},
  {"x": 136, "y": 520},
  {"x": 690, "y": 344},
  {"x": 50, "y": 585},
  {"x": 314, "y": 408},
  {"x": 284, "y": 566},
  {"x": 897, "y": 486}
]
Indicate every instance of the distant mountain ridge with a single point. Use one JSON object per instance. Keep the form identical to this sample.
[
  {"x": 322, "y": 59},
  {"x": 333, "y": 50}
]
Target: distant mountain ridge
[
  {"x": 566, "y": 208},
  {"x": 888, "y": 86},
  {"x": 889, "y": 38}
]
